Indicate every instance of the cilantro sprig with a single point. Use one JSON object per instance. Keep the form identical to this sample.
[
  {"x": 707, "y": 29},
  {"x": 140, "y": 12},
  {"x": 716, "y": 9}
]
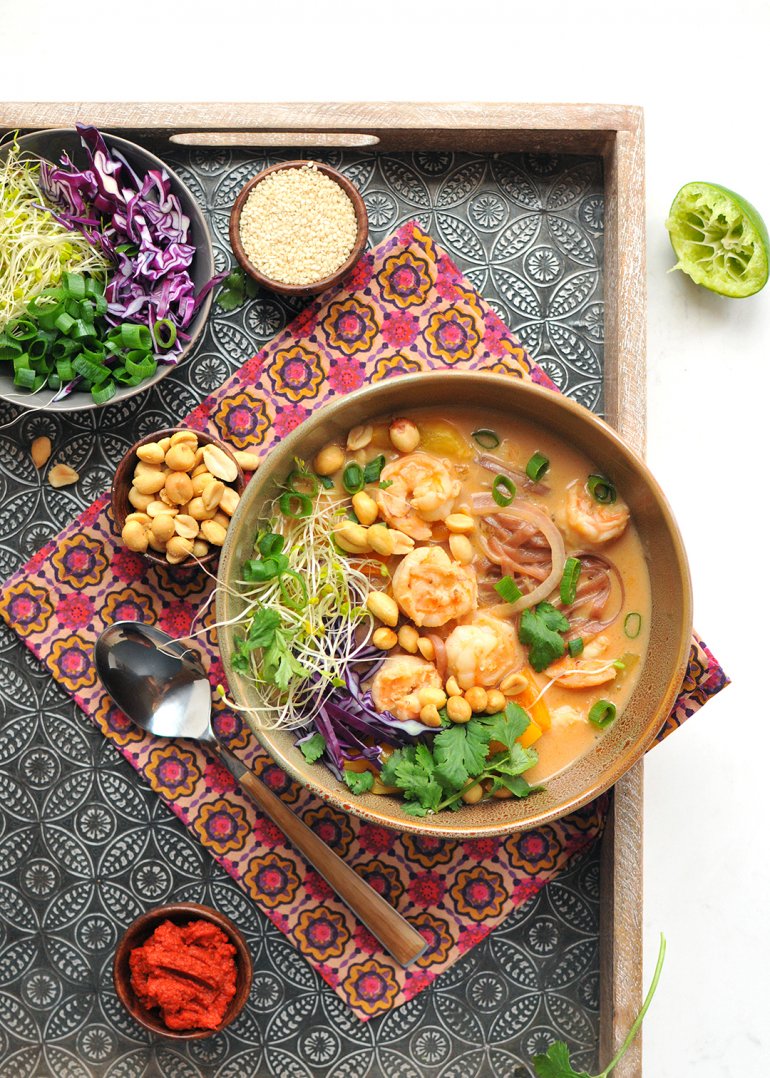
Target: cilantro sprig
[
  {"x": 279, "y": 665},
  {"x": 555, "y": 1063},
  {"x": 435, "y": 779},
  {"x": 540, "y": 628},
  {"x": 236, "y": 288}
]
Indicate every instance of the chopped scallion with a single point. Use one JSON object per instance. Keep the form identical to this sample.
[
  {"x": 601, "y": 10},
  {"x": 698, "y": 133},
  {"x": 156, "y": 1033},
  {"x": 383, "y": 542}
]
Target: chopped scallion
[
  {"x": 602, "y": 489},
  {"x": 602, "y": 713},
  {"x": 569, "y": 581},
  {"x": 503, "y": 490},
  {"x": 632, "y": 626},
  {"x": 295, "y": 505},
  {"x": 575, "y": 646},
  {"x": 486, "y": 438},
  {"x": 353, "y": 478},
  {"x": 373, "y": 469},
  {"x": 507, "y": 590},
  {"x": 537, "y": 466}
]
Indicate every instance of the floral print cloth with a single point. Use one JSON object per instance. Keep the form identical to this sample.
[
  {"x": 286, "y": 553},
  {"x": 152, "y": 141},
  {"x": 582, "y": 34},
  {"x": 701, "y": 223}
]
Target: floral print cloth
[{"x": 404, "y": 307}]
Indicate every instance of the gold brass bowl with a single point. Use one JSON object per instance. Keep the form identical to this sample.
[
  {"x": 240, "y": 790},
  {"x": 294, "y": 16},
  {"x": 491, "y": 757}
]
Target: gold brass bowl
[{"x": 671, "y": 615}]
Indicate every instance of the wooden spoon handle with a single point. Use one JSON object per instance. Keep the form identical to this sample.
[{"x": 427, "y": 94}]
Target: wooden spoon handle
[{"x": 395, "y": 933}]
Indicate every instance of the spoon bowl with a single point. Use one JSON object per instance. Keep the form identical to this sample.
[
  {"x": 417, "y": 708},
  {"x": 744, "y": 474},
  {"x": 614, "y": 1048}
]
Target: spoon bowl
[{"x": 161, "y": 685}]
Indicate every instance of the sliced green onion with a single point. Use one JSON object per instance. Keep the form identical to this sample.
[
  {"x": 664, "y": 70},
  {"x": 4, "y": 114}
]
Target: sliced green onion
[
  {"x": 22, "y": 330},
  {"x": 295, "y": 505},
  {"x": 353, "y": 478},
  {"x": 486, "y": 438},
  {"x": 24, "y": 377},
  {"x": 101, "y": 394},
  {"x": 601, "y": 489},
  {"x": 9, "y": 349},
  {"x": 293, "y": 590},
  {"x": 37, "y": 349},
  {"x": 632, "y": 626},
  {"x": 164, "y": 332},
  {"x": 602, "y": 713},
  {"x": 537, "y": 466},
  {"x": 135, "y": 336},
  {"x": 373, "y": 469},
  {"x": 575, "y": 646},
  {"x": 326, "y": 481},
  {"x": 569, "y": 580},
  {"x": 308, "y": 483},
  {"x": 260, "y": 570},
  {"x": 270, "y": 544},
  {"x": 74, "y": 285},
  {"x": 507, "y": 590},
  {"x": 503, "y": 490}
]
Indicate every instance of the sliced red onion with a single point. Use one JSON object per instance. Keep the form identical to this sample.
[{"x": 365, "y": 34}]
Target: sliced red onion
[{"x": 501, "y": 467}]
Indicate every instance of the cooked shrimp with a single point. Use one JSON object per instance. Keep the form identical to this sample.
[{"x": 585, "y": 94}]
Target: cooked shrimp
[
  {"x": 483, "y": 652},
  {"x": 422, "y": 490},
  {"x": 587, "y": 670},
  {"x": 431, "y": 588},
  {"x": 595, "y": 521},
  {"x": 398, "y": 681}
]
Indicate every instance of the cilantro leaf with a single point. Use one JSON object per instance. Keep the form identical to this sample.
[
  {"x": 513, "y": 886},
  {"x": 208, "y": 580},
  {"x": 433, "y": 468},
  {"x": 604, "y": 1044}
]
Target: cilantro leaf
[
  {"x": 540, "y": 629},
  {"x": 556, "y": 1063},
  {"x": 460, "y": 753},
  {"x": 235, "y": 289},
  {"x": 263, "y": 627},
  {"x": 412, "y": 770},
  {"x": 279, "y": 665},
  {"x": 314, "y": 748},
  {"x": 506, "y": 726},
  {"x": 358, "y": 781}
]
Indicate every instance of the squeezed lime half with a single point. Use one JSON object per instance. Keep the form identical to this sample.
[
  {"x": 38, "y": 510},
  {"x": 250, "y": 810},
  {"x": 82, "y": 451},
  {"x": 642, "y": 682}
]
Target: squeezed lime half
[{"x": 720, "y": 239}]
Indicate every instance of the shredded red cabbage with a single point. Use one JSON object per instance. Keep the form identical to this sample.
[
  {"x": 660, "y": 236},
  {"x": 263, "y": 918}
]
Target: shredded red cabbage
[
  {"x": 141, "y": 228},
  {"x": 348, "y": 717}
]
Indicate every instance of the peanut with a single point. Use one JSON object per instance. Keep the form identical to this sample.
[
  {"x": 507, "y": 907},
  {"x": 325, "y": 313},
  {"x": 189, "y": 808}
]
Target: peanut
[
  {"x": 201, "y": 479},
  {"x": 247, "y": 462},
  {"x": 186, "y": 526},
  {"x": 213, "y": 533},
  {"x": 365, "y": 508},
  {"x": 495, "y": 702},
  {"x": 183, "y": 436},
  {"x": 134, "y": 535},
  {"x": 61, "y": 475},
  {"x": 404, "y": 435},
  {"x": 159, "y": 508},
  {"x": 458, "y": 709},
  {"x": 198, "y": 511},
  {"x": 151, "y": 453},
  {"x": 329, "y": 460},
  {"x": 513, "y": 684},
  {"x": 212, "y": 494},
  {"x": 429, "y": 715},
  {"x": 461, "y": 548},
  {"x": 360, "y": 437},
  {"x": 180, "y": 457},
  {"x": 40, "y": 451},
  {"x": 452, "y": 688},
  {"x": 383, "y": 607},
  {"x": 404, "y": 543},
  {"x": 408, "y": 638},
  {"x": 178, "y": 486},
  {"x": 353, "y": 538},
  {"x": 162, "y": 528},
  {"x": 220, "y": 464},
  {"x": 477, "y": 698},
  {"x": 139, "y": 501},
  {"x": 381, "y": 539},
  {"x": 179, "y": 547},
  {"x": 426, "y": 648},
  {"x": 229, "y": 502},
  {"x": 384, "y": 638},
  {"x": 460, "y": 523},
  {"x": 200, "y": 548},
  {"x": 431, "y": 695},
  {"x": 149, "y": 482}
]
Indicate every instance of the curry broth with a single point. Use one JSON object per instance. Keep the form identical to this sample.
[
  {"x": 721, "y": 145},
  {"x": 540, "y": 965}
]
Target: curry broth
[{"x": 448, "y": 435}]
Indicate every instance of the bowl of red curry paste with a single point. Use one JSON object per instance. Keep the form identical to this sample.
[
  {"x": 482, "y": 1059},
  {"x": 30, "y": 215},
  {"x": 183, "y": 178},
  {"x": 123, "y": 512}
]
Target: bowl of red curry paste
[{"x": 183, "y": 970}]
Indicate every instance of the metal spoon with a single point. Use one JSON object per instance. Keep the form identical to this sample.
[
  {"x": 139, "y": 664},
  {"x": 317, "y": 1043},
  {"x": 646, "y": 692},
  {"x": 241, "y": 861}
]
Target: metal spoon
[{"x": 160, "y": 685}]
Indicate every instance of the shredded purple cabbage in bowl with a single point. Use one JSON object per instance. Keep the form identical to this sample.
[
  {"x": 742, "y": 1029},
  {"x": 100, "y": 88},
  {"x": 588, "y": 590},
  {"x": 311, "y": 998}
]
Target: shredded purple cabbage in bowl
[{"x": 141, "y": 215}]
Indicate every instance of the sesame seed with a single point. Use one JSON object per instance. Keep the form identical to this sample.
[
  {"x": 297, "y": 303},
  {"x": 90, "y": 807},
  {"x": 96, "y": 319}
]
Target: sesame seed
[{"x": 298, "y": 226}]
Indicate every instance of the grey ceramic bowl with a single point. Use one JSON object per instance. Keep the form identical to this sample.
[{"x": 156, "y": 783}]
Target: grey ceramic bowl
[
  {"x": 49, "y": 145},
  {"x": 671, "y": 620}
]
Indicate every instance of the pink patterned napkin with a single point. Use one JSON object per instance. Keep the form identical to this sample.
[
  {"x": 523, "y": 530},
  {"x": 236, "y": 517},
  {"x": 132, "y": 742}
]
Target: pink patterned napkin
[{"x": 405, "y": 307}]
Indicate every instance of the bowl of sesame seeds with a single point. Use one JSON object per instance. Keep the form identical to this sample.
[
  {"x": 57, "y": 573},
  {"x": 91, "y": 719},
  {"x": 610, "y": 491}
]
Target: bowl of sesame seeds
[{"x": 298, "y": 227}]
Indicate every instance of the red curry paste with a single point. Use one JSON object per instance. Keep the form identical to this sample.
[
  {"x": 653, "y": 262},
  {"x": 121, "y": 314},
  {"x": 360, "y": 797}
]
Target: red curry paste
[{"x": 188, "y": 971}]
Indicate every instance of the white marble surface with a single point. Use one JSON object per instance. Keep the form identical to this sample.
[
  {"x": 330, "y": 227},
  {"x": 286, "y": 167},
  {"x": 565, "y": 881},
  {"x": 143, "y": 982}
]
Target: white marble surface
[{"x": 701, "y": 76}]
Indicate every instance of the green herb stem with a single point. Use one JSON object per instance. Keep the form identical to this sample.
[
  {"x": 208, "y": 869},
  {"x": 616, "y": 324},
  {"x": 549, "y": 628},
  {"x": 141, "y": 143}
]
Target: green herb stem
[{"x": 640, "y": 1017}]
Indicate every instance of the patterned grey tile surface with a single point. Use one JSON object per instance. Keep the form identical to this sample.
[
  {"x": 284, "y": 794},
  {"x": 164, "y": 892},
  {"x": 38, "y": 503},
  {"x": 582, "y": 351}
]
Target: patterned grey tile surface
[{"x": 84, "y": 847}]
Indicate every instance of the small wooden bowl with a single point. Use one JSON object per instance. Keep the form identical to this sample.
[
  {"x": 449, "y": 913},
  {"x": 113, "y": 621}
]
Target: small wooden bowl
[
  {"x": 122, "y": 483},
  {"x": 140, "y": 931},
  {"x": 316, "y": 286}
]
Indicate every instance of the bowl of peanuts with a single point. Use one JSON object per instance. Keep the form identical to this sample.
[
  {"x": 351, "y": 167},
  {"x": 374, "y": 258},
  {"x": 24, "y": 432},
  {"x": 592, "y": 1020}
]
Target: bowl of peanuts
[
  {"x": 298, "y": 227},
  {"x": 174, "y": 493}
]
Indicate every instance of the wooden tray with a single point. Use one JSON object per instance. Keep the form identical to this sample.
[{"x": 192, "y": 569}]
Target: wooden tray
[{"x": 613, "y": 133}]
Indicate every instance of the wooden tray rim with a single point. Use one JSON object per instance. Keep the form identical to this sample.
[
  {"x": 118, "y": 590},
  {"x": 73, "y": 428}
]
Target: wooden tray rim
[{"x": 614, "y": 132}]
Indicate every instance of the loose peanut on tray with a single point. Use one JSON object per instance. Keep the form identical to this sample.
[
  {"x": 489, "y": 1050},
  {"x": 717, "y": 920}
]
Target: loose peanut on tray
[
  {"x": 41, "y": 451},
  {"x": 61, "y": 475},
  {"x": 181, "y": 497}
]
